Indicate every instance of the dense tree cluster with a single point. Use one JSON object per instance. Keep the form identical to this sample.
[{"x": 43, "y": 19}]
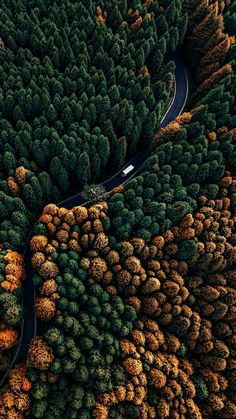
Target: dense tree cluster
[
  {"x": 82, "y": 322},
  {"x": 12, "y": 274},
  {"x": 183, "y": 165},
  {"x": 55, "y": 80},
  {"x": 12, "y": 270},
  {"x": 14, "y": 396},
  {"x": 135, "y": 296},
  {"x": 15, "y": 219},
  {"x": 192, "y": 153},
  {"x": 186, "y": 161},
  {"x": 135, "y": 328},
  {"x": 209, "y": 41},
  {"x": 83, "y": 82}
]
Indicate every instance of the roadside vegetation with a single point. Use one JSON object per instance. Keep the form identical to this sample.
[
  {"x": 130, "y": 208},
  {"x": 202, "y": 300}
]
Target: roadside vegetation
[{"x": 135, "y": 293}]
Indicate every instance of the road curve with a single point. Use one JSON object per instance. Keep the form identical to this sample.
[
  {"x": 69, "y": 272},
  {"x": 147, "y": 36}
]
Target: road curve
[
  {"x": 29, "y": 323},
  {"x": 175, "y": 108}
]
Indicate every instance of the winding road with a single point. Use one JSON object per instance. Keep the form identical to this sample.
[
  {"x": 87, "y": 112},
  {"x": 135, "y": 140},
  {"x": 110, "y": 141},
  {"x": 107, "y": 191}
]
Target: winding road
[{"x": 29, "y": 323}]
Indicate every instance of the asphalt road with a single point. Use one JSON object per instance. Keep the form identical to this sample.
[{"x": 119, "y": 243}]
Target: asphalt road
[
  {"x": 29, "y": 324},
  {"x": 175, "y": 109}
]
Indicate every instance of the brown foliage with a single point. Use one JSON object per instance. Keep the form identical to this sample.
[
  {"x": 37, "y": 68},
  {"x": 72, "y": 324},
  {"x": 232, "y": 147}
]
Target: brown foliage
[
  {"x": 13, "y": 186},
  {"x": 38, "y": 243},
  {"x": 20, "y": 173},
  {"x": 133, "y": 264},
  {"x": 208, "y": 39},
  {"x": 14, "y": 400},
  {"x": 168, "y": 133},
  {"x": 144, "y": 71},
  {"x": 48, "y": 287},
  {"x": 148, "y": 3},
  {"x": 213, "y": 79},
  {"x": 136, "y": 25},
  {"x": 100, "y": 411},
  {"x": 97, "y": 268},
  {"x": 39, "y": 355},
  {"x": 45, "y": 308},
  {"x": 48, "y": 269},
  {"x": 101, "y": 16},
  {"x": 117, "y": 189}
]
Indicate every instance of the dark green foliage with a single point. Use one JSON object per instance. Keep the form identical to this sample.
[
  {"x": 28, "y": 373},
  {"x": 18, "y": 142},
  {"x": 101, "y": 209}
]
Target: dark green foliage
[
  {"x": 72, "y": 100},
  {"x": 13, "y": 230},
  {"x": 177, "y": 210},
  {"x": 39, "y": 408},
  {"x": 84, "y": 337},
  {"x": 72, "y": 95},
  {"x": 187, "y": 249},
  {"x": 76, "y": 99},
  {"x": 171, "y": 179},
  {"x": 10, "y": 309},
  {"x": 40, "y": 390},
  {"x": 202, "y": 392}
]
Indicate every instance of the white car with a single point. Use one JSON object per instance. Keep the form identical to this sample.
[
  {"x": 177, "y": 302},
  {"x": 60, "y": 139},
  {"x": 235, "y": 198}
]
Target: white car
[{"x": 127, "y": 170}]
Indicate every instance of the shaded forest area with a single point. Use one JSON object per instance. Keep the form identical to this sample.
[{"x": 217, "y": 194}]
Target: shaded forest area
[{"x": 135, "y": 296}]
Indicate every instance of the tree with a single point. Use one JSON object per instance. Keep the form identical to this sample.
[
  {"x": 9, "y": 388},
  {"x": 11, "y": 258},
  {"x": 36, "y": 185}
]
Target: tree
[
  {"x": 149, "y": 126},
  {"x": 59, "y": 174},
  {"x": 177, "y": 210},
  {"x": 95, "y": 163},
  {"x": 9, "y": 161},
  {"x": 46, "y": 185},
  {"x": 40, "y": 408},
  {"x": 83, "y": 171},
  {"x": 51, "y": 114},
  {"x": 29, "y": 196},
  {"x": 187, "y": 249},
  {"x": 119, "y": 155},
  {"x": 114, "y": 94},
  {"x": 38, "y": 153},
  {"x": 11, "y": 310},
  {"x": 104, "y": 149},
  {"x": 210, "y": 82},
  {"x": 115, "y": 18}
]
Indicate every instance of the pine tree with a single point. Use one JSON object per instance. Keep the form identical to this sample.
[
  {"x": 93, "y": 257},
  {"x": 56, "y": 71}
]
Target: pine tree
[
  {"x": 118, "y": 158},
  {"x": 9, "y": 161},
  {"x": 59, "y": 174},
  {"x": 83, "y": 171}
]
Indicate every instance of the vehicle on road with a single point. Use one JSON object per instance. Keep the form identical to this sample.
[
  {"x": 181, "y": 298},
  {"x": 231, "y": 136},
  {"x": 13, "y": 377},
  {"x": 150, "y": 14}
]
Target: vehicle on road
[
  {"x": 127, "y": 170},
  {"x": 28, "y": 330}
]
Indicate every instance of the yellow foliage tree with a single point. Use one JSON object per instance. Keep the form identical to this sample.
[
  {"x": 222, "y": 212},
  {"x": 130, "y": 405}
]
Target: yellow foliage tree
[{"x": 8, "y": 336}]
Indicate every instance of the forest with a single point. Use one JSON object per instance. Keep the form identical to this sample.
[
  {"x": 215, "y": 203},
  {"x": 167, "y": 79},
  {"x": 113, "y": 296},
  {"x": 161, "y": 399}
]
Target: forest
[{"x": 134, "y": 295}]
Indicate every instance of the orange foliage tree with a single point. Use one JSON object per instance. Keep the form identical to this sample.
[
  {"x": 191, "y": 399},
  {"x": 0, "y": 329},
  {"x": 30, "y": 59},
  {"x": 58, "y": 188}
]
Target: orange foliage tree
[
  {"x": 14, "y": 397},
  {"x": 207, "y": 43}
]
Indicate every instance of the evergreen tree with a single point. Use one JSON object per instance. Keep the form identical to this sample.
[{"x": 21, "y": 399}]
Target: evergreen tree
[
  {"x": 83, "y": 172},
  {"x": 59, "y": 174}
]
